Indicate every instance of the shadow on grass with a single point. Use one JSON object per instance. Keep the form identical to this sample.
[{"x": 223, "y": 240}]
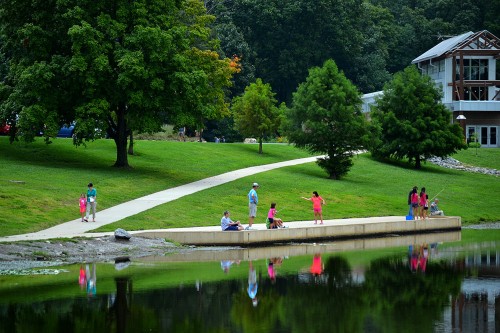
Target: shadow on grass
[{"x": 49, "y": 155}]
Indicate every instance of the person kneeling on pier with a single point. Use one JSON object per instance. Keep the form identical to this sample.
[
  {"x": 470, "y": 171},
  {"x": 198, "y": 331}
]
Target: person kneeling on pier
[{"x": 229, "y": 225}]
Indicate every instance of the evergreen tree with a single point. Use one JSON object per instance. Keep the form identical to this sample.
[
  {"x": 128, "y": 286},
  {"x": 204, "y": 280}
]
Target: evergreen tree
[
  {"x": 326, "y": 118},
  {"x": 410, "y": 121}
]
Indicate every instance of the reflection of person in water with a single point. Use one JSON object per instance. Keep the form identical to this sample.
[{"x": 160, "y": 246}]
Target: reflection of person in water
[
  {"x": 317, "y": 265},
  {"x": 82, "y": 277},
  {"x": 271, "y": 267},
  {"x": 424, "y": 254},
  {"x": 252, "y": 284},
  {"x": 271, "y": 271},
  {"x": 413, "y": 254},
  {"x": 91, "y": 280},
  {"x": 418, "y": 256},
  {"x": 226, "y": 265}
]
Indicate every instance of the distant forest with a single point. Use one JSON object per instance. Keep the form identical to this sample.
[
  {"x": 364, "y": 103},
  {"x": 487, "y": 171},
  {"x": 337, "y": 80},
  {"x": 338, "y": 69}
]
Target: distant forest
[{"x": 279, "y": 41}]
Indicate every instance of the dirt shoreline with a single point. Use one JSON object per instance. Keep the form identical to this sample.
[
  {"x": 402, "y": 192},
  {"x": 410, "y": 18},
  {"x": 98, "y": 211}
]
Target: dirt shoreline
[{"x": 32, "y": 254}]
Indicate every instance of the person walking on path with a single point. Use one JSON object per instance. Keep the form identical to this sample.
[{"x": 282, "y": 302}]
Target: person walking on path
[
  {"x": 227, "y": 224},
  {"x": 317, "y": 201},
  {"x": 83, "y": 205},
  {"x": 253, "y": 200},
  {"x": 91, "y": 202}
]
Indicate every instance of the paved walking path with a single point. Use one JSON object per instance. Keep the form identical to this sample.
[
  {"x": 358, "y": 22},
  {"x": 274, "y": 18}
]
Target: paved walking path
[{"x": 76, "y": 228}]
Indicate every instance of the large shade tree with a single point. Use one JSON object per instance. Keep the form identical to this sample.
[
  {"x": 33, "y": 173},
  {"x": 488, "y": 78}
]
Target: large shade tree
[
  {"x": 256, "y": 112},
  {"x": 112, "y": 65},
  {"x": 409, "y": 121},
  {"x": 325, "y": 117}
]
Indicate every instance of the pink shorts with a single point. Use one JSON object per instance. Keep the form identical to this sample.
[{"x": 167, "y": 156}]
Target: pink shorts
[{"x": 317, "y": 210}]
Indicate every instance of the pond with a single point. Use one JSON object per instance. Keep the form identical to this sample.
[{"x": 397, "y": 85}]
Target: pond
[{"x": 426, "y": 283}]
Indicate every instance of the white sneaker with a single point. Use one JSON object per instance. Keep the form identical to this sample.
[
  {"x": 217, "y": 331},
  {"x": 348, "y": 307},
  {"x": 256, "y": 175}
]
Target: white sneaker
[{"x": 248, "y": 228}]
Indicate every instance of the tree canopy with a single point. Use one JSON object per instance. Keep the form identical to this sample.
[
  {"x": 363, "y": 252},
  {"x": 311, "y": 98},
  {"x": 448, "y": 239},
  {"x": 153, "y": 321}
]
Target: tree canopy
[
  {"x": 110, "y": 65},
  {"x": 325, "y": 117},
  {"x": 410, "y": 121},
  {"x": 281, "y": 40},
  {"x": 256, "y": 113}
]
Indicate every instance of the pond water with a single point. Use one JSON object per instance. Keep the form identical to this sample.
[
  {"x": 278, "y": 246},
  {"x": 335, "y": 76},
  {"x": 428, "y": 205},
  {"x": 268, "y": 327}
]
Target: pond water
[{"x": 429, "y": 283}]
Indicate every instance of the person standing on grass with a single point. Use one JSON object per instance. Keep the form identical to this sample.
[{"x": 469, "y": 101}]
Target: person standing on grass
[
  {"x": 83, "y": 205},
  {"x": 317, "y": 202},
  {"x": 253, "y": 200},
  {"x": 91, "y": 202}
]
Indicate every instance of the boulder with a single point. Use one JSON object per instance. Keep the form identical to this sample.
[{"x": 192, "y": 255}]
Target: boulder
[{"x": 122, "y": 234}]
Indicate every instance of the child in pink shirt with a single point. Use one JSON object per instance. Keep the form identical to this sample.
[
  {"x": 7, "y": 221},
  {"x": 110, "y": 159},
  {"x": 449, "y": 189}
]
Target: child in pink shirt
[
  {"x": 272, "y": 221},
  {"x": 317, "y": 202},
  {"x": 83, "y": 205}
]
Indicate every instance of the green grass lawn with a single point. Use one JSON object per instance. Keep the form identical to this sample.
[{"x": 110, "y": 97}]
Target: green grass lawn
[
  {"x": 41, "y": 184},
  {"x": 481, "y": 157}
]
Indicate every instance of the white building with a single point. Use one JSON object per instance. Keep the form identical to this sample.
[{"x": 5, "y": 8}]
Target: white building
[{"x": 465, "y": 69}]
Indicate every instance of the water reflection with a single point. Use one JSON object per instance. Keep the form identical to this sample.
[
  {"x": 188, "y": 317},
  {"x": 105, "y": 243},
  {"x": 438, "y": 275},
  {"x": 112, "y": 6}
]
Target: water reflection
[
  {"x": 412, "y": 288},
  {"x": 91, "y": 278},
  {"x": 253, "y": 285},
  {"x": 418, "y": 256}
]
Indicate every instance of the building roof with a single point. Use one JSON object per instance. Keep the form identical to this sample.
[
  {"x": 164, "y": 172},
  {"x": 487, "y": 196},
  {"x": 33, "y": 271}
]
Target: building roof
[
  {"x": 442, "y": 47},
  {"x": 469, "y": 43}
]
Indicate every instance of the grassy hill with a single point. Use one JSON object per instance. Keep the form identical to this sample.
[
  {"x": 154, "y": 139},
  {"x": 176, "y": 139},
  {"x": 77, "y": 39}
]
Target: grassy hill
[{"x": 40, "y": 184}]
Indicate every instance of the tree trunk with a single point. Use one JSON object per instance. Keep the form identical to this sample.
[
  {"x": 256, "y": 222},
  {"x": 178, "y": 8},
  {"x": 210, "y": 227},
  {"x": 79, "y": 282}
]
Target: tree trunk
[
  {"x": 131, "y": 144},
  {"x": 121, "y": 138},
  {"x": 260, "y": 145},
  {"x": 417, "y": 162}
]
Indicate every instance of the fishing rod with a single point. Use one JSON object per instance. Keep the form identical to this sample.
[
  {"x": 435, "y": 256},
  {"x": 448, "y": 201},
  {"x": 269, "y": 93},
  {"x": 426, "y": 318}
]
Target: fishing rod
[{"x": 437, "y": 194}]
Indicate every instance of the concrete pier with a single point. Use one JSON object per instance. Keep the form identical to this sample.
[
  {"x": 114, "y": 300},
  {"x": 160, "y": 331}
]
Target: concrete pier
[
  {"x": 305, "y": 231},
  {"x": 300, "y": 249}
]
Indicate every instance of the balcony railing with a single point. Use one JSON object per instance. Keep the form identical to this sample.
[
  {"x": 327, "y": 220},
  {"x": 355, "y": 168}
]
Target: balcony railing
[{"x": 473, "y": 106}]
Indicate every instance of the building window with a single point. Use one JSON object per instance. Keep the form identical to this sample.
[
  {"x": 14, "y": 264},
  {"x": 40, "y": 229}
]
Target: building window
[
  {"x": 475, "y": 94},
  {"x": 474, "y": 69}
]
